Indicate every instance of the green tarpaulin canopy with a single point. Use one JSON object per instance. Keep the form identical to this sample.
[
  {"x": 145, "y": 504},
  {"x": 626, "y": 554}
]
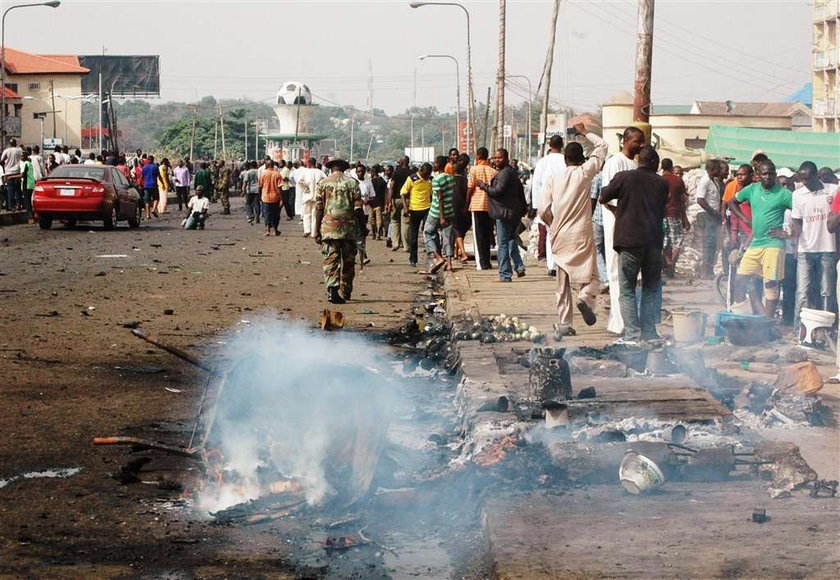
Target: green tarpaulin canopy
[{"x": 785, "y": 148}]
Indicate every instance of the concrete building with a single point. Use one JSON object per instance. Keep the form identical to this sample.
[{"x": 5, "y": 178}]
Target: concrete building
[
  {"x": 826, "y": 78},
  {"x": 687, "y": 126},
  {"x": 49, "y": 86}
]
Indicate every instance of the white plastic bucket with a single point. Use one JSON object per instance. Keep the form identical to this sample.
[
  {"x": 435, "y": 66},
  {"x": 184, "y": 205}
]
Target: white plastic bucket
[
  {"x": 638, "y": 474},
  {"x": 689, "y": 325}
]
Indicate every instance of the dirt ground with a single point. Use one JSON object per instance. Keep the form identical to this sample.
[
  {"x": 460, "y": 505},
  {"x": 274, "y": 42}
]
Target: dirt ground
[{"x": 72, "y": 371}]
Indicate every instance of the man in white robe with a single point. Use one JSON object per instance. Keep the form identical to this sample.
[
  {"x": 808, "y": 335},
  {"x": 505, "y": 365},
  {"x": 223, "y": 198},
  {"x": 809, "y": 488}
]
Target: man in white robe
[{"x": 566, "y": 208}]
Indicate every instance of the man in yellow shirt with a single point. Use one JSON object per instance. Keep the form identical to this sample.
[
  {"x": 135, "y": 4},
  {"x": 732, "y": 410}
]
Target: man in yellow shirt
[{"x": 417, "y": 199}]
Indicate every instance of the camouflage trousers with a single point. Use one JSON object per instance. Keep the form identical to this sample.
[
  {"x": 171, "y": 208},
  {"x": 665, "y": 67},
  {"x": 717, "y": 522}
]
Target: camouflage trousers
[
  {"x": 339, "y": 263},
  {"x": 224, "y": 197}
]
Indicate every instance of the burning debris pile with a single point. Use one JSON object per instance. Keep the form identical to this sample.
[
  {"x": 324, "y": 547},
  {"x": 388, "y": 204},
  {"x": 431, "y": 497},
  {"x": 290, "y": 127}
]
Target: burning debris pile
[{"x": 300, "y": 416}]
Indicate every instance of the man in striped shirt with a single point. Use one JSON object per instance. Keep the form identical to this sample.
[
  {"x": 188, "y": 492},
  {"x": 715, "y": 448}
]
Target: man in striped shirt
[
  {"x": 438, "y": 230},
  {"x": 477, "y": 204}
]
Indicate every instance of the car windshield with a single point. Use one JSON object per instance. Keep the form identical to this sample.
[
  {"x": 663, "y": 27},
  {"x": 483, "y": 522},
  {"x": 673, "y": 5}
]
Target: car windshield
[{"x": 80, "y": 172}]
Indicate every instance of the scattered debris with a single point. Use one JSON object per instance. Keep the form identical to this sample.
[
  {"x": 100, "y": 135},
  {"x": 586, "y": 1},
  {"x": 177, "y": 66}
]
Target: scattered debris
[
  {"x": 802, "y": 377},
  {"x": 332, "y": 319},
  {"x": 59, "y": 473},
  {"x": 787, "y": 469},
  {"x": 499, "y": 328},
  {"x": 759, "y": 515},
  {"x": 168, "y": 311}
]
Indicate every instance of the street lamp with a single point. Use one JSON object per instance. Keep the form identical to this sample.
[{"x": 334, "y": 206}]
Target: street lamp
[
  {"x": 530, "y": 98},
  {"x": 470, "y": 98},
  {"x": 457, "y": 92},
  {"x": 51, "y": 4}
]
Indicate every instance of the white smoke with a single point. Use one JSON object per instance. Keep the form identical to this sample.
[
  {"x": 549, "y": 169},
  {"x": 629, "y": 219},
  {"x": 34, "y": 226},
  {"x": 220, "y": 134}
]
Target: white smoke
[{"x": 299, "y": 406}]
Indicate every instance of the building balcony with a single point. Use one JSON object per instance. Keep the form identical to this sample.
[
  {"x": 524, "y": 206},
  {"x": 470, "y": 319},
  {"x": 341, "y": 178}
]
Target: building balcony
[
  {"x": 11, "y": 126},
  {"x": 825, "y": 108},
  {"x": 826, "y": 10}
]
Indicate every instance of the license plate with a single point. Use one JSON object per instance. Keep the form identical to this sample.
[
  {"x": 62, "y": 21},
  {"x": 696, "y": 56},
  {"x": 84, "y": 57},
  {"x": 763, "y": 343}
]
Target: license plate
[{"x": 66, "y": 192}]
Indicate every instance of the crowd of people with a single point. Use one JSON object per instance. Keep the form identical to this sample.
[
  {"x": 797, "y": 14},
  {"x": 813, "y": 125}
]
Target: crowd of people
[{"x": 601, "y": 223}]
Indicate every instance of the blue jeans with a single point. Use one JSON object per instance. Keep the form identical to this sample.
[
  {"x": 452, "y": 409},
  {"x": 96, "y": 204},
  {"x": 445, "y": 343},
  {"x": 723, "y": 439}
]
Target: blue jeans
[
  {"x": 13, "y": 194},
  {"x": 507, "y": 249},
  {"x": 438, "y": 238},
  {"x": 640, "y": 323},
  {"x": 194, "y": 220},
  {"x": 815, "y": 273},
  {"x": 252, "y": 206},
  {"x": 598, "y": 229}
]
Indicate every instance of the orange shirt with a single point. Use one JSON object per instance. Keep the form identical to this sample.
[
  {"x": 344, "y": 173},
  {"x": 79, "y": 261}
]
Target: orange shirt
[
  {"x": 481, "y": 171},
  {"x": 450, "y": 168},
  {"x": 270, "y": 184}
]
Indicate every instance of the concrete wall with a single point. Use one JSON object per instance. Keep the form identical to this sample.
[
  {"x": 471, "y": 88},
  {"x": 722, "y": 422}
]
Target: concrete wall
[
  {"x": 676, "y": 129},
  {"x": 68, "y": 120}
]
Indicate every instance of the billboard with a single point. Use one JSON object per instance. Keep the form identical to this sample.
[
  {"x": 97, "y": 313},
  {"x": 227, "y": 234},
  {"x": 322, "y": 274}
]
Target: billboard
[
  {"x": 421, "y": 154},
  {"x": 122, "y": 76}
]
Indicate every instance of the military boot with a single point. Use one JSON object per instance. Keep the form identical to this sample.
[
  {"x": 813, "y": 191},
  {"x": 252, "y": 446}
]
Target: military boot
[{"x": 333, "y": 296}]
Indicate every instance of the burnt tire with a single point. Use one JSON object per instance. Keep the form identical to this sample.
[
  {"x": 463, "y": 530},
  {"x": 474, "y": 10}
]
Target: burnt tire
[
  {"x": 134, "y": 222},
  {"x": 110, "y": 220},
  {"x": 45, "y": 222}
]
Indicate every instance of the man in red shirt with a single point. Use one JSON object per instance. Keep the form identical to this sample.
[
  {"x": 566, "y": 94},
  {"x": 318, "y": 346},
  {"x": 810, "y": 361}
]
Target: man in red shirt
[{"x": 676, "y": 221}]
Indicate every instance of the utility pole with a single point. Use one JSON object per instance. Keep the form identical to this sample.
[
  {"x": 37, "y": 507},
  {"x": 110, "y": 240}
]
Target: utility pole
[
  {"x": 215, "y": 138},
  {"x": 370, "y": 86},
  {"x": 644, "y": 62},
  {"x": 222, "y": 125},
  {"x": 549, "y": 63},
  {"x": 415, "y": 88},
  {"x": 52, "y": 98},
  {"x": 192, "y": 132},
  {"x": 486, "y": 119},
  {"x": 500, "y": 81}
]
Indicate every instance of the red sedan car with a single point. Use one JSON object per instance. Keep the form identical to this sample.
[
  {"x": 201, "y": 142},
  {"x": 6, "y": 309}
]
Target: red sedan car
[{"x": 86, "y": 192}]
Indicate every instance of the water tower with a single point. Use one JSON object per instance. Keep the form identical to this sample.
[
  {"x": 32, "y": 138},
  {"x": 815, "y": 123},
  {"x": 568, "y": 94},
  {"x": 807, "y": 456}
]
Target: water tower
[{"x": 293, "y": 141}]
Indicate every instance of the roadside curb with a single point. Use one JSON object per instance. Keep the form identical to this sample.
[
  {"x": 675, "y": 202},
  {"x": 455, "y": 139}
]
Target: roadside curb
[{"x": 12, "y": 218}]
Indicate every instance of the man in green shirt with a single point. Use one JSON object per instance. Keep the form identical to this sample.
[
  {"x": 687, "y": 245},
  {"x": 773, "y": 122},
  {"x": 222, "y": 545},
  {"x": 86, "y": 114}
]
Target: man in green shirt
[
  {"x": 765, "y": 256},
  {"x": 203, "y": 178},
  {"x": 438, "y": 230}
]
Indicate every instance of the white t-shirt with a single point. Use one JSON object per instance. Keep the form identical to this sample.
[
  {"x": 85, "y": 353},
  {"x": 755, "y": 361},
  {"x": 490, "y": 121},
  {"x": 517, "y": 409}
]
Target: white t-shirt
[
  {"x": 707, "y": 189},
  {"x": 198, "y": 204},
  {"x": 614, "y": 165},
  {"x": 368, "y": 193},
  {"x": 813, "y": 207}
]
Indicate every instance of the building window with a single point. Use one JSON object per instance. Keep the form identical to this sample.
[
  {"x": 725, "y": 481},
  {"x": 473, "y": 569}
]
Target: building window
[
  {"x": 12, "y": 87},
  {"x": 34, "y": 86}
]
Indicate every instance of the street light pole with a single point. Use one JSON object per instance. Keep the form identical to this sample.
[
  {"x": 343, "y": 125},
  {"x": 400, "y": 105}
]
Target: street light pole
[
  {"x": 530, "y": 98},
  {"x": 457, "y": 92},
  {"x": 470, "y": 98},
  {"x": 51, "y": 4}
]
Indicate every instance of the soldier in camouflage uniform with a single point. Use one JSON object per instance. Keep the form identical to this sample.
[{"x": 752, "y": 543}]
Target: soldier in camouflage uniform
[
  {"x": 338, "y": 217},
  {"x": 222, "y": 183}
]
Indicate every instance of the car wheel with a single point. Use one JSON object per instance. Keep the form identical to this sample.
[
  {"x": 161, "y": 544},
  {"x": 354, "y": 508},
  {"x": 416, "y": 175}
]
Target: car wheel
[
  {"x": 44, "y": 222},
  {"x": 110, "y": 220},
  {"x": 134, "y": 222}
]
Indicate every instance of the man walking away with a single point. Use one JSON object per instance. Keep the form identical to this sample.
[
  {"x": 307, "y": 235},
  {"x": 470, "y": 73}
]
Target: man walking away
[
  {"x": 546, "y": 167},
  {"x": 506, "y": 204},
  {"x": 461, "y": 220},
  {"x": 765, "y": 256},
  {"x": 632, "y": 141},
  {"x": 380, "y": 190},
  {"x": 367, "y": 192},
  {"x": 438, "y": 232},
  {"x": 417, "y": 198},
  {"x": 270, "y": 198},
  {"x": 338, "y": 218},
  {"x": 566, "y": 208},
  {"x": 150, "y": 187},
  {"x": 223, "y": 187},
  {"x": 482, "y": 225},
  {"x": 815, "y": 264},
  {"x": 394, "y": 205},
  {"x": 307, "y": 185},
  {"x": 182, "y": 184},
  {"x": 251, "y": 192},
  {"x": 708, "y": 221},
  {"x": 11, "y": 159},
  {"x": 204, "y": 178},
  {"x": 641, "y": 195},
  {"x": 833, "y": 225},
  {"x": 676, "y": 220},
  {"x": 288, "y": 203}
]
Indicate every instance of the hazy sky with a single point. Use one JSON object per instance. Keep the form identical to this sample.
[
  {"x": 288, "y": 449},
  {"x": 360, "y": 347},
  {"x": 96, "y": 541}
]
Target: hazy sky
[{"x": 737, "y": 50}]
